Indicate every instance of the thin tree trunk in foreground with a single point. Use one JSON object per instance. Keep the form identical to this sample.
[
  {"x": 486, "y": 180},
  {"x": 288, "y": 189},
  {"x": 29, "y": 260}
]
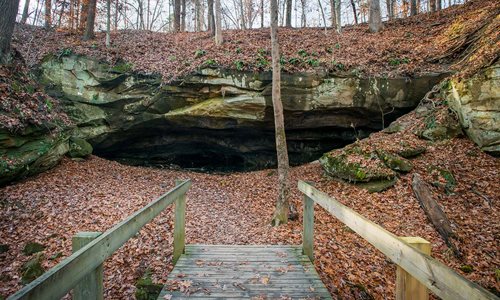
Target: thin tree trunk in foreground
[
  {"x": 282, "y": 209},
  {"x": 8, "y": 13},
  {"x": 48, "y": 13},
  {"x": 108, "y": 24},
  {"x": 218, "y": 23},
  {"x": 25, "y": 12},
  {"x": 375, "y": 19},
  {"x": 89, "y": 26},
  {"x": 434, "y": 212}
]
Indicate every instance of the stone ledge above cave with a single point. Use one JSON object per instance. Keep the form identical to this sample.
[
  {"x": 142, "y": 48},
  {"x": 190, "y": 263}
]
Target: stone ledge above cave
[{"x": 225, "y": 115}]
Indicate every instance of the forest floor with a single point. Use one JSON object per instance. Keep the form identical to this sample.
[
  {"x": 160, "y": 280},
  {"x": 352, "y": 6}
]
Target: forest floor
[
  {"x": 460, "y": 38},
  {"x": 94, "y": 194}
]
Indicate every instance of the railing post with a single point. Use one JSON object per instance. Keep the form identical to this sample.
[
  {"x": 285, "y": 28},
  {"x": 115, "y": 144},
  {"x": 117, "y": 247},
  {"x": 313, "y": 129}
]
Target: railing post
[
  {"x": 91, "y": 286},
  {"x": 308, "y": 224},
  {"x": 179, "y": 225},
  {"x": 407, "y": 287}
]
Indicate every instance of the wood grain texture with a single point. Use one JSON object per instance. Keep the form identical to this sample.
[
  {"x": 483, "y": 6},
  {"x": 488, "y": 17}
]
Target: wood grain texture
[
  {"x": 239, "y": 272},
  {"x": 440, "y": 279}
]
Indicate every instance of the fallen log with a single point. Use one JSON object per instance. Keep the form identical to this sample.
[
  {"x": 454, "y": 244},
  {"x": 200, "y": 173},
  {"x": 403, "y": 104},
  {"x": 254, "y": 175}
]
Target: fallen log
[{"x": 435, "y": 214}]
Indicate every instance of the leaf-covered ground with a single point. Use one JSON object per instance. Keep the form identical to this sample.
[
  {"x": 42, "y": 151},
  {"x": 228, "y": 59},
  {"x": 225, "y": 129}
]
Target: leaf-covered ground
[
  {"x": 410, "y": 46},
  {"x": 237, "y": 208}
]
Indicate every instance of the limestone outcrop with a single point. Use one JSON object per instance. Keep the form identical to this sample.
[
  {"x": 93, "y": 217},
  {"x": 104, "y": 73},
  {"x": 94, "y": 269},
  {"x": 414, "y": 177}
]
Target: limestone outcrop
[
  {"x": 477, "y": 104},
  {"x": 221, "y": 119}
]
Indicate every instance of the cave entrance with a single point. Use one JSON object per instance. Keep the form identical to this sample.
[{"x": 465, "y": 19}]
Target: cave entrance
[{"x": 209, "y": 161}]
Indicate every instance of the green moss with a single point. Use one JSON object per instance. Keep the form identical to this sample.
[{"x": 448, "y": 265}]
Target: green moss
[
  {"x": 497, "y": 274},
  {"x": 450, "y": 181},
  {"x": 395, "y": 162},
  {"x": 4, "y": 248},
  {"x": 122, "y": 67},
  {"x": 32, "y": 269},
  {"x": 33, "y": 247},
  {"x": 467, "y": 269},
  {"x": 79, "y": 147},
  {"x": 146, "y": 289}
]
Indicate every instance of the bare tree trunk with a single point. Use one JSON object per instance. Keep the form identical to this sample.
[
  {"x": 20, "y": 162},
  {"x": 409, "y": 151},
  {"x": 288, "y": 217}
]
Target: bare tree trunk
[
  {"x": 218, "y": 23},
  {"x": 116, "y": 16},
  {"x": 177, "y": 15},
  {"x": 432, "y": 5},
  {"x": 199, "y": 15},
  {"x": 183, "y": 15},
  {"x": 413, "y": 7},
  {"x": 36, "y": 12},
  {"x": 108, "y": 24},
  {"x": 83, "y": 14},
  {"x": 8, "y": 13},
  {"x": 322, "y": 14},
  {"x": 211, "y": 19},
  {"x": 288, "y": 13},
  {"x": 354, "y": 12},
  {"x": 25, "y": 12},
  {"x": 282, "y": 209},
  {"x": 390, "y": 14},
  {"x": 261, "y": 13},
  {"x": 48, "y": 14},
  {"x": 333, "y": 21},
  {"x": 242, "y": 15},
  {"x": 375, "y": 19},
  {"x": 89, "y": 28},
  {"x": 338, "y": 17},
  {"x": 148, "y": 20},
  {"x": 438, "y": 4},
  {"x": 61, "y": 13},
  {"x": 72, "y": 15},
  {"x": 303, "y": 20}
]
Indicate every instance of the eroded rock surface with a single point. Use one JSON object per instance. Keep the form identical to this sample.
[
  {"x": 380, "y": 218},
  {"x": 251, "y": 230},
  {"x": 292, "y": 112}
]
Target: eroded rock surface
[
  {"x": 477, "y": 103},
  {"x": 222, "y": 119}
]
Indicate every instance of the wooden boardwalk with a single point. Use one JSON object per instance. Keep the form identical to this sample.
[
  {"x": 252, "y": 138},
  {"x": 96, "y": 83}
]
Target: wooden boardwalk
[{"x": 250, "y": 271}]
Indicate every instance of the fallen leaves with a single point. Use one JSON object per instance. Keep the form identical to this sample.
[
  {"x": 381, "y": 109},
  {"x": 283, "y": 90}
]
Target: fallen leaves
[{"x": 95, "y": 194}]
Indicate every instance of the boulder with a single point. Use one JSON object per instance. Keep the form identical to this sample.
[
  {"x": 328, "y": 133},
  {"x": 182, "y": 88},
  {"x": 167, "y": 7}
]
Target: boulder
[
  {"x": 32, "y": 248},
  {"x": 476, "y": 101},
  {"x": 79, "y": 148},
  {"x": 32, "y": 269}
]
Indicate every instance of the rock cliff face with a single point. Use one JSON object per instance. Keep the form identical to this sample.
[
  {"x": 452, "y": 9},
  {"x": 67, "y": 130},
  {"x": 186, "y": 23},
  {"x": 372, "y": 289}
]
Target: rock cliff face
[
  {"x": 477, "y": 104},
  {"x": 221, "y": 119}
]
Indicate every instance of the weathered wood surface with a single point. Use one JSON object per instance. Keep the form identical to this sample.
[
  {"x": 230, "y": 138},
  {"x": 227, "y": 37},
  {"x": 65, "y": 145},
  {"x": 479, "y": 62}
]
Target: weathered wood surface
[
  {"x": 179, "y": 226},
  {"x": 308, "y": 228},
  {"x": 441, "y": 280},
  {"x": 228, "y": 271},
  {"x": 434, "y": 212},
  {"x": 91, "y": 286},
  {"x": 407, "y": 287},
  {"x": 56, "y": 282}
]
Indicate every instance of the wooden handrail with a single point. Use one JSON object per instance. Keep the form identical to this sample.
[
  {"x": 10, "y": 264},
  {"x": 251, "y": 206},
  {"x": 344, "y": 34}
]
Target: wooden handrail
[
  {"x": 59, "y": 280},
  {"x": 437, "y": 277}
]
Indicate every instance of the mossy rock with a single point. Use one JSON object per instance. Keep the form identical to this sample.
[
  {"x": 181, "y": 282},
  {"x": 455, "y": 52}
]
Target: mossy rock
[
  {"x": 395, "y": 127},
  {"x": 32, "y": 269},
  {"x": 79, "y": 147},
  {"x": 146, "y": 289},
  {"x": 395, "y": 162},
  {"x": 4, "y": 248},
  {"x": 411, "y": 152},
  {"x": 378, "y": 186},
  {"x": 355, "y": 165},
  {"x": 450, "y": 181},
  {"x": 32, "y": 248},
  {"x": 438, "y": 128},
  {"x": 467, "y": 269}
]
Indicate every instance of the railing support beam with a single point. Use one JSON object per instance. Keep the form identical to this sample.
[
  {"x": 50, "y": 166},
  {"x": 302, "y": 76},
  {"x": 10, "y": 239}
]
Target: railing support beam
[
  {"x": 407, "y": 286},
  {"x": 179, "y": 225},
  {"x": 308, "y": 228},
  {"x": 90, "y": 286}
]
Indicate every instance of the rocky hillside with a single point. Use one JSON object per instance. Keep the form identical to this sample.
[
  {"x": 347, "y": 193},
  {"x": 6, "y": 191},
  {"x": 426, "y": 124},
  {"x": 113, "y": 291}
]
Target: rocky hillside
[{"x": 406, "y": 47}]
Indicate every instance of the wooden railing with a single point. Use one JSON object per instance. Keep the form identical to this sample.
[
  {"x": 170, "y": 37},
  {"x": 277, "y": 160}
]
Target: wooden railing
[
  {"x": 83, "y": 269},
  {"x": 432, "y": 274}
]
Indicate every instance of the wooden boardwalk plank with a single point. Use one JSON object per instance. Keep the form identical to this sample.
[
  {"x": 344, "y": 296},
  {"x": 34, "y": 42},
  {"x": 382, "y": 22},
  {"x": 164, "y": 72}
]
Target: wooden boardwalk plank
[{"x": 244, "y": 271}]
